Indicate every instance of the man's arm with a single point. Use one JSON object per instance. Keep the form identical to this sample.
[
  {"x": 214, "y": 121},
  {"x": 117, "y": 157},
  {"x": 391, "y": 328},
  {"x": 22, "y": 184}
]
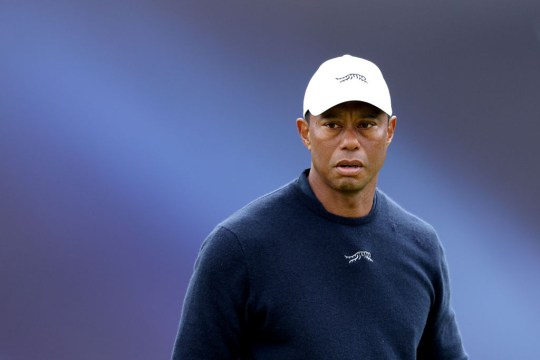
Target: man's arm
[
  {"x": 441, "y": 338},
  {"x": 212, "y": 325}
]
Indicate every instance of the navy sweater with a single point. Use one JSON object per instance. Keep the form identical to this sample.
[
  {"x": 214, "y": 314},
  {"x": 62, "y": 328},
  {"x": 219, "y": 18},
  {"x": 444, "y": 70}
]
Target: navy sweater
[{"x": 283, "y": 278}]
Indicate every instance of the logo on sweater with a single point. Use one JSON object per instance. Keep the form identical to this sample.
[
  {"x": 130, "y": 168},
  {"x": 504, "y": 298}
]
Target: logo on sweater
[{"x": 359, "y": 255}]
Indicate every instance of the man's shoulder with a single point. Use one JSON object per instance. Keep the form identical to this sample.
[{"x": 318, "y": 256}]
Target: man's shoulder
[
  {"x": 404, "y": 220},
  {"x": 269, "y": 207},
  {"x": 414, "y": 232},
  {"x": 255, "y": 229}
]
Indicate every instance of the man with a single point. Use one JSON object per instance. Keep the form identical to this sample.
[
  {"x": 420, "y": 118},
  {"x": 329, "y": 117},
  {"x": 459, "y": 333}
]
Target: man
[{"x": 326, "y": 267}]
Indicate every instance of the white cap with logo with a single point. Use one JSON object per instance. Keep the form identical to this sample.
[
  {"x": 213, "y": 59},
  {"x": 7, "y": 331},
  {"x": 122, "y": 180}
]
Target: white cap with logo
[{"x": 346, "y": 78}]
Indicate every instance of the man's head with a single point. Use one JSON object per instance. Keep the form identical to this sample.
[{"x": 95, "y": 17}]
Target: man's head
[
  {"x": 346, "y": 78},
  {"x": 349, "y": 126}
]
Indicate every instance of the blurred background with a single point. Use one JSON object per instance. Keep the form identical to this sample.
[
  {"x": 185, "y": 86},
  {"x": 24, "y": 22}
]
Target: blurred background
[{"x": 129, "y": 129}]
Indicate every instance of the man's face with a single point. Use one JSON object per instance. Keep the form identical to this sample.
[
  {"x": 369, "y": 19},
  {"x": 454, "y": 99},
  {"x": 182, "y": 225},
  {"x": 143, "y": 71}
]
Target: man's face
[{"x": 348, "y": 146}]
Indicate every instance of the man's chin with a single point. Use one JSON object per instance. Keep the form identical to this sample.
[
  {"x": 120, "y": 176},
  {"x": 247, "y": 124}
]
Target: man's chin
[{"x": 350, "y": 185}]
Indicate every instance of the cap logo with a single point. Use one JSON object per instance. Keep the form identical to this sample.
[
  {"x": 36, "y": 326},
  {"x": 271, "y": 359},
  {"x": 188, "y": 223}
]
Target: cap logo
[{"x": 352, "y": 77}]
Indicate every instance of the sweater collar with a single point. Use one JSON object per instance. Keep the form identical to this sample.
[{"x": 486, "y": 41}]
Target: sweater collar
[{"x": 309, "y": 199}]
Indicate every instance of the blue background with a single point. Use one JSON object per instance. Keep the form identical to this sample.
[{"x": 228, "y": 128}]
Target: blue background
[{"x": 128, "y": 129}]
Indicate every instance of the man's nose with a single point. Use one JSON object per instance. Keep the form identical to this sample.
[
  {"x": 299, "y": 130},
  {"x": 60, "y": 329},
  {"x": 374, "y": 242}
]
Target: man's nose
[{"x": 350, "y": 139}]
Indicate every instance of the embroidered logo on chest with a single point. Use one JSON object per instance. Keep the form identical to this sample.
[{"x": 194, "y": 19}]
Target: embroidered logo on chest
[{"x": 358, "y": 256}]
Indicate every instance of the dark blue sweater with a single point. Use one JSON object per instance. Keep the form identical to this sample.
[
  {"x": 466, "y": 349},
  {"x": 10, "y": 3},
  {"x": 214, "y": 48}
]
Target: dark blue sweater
[{"x": 283, "y": 278}]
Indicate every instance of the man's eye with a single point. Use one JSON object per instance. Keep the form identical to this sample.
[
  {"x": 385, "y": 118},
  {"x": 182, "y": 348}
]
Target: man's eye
[
  {"x": 331, "y": 125},
  {"x": 365, "y": 125}
]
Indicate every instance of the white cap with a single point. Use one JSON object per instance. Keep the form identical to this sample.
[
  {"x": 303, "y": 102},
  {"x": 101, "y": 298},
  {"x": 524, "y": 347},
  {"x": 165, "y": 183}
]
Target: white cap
[{"x": 346, "y": 78}]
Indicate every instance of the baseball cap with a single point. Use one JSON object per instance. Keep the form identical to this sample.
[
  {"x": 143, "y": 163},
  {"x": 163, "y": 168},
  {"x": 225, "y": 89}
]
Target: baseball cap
[{"x": 346, "y": 78}]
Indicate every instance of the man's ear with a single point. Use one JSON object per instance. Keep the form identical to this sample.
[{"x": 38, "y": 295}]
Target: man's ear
[
  {"x": 391, "y": 129},
  {"x": 303, "y": 130}
]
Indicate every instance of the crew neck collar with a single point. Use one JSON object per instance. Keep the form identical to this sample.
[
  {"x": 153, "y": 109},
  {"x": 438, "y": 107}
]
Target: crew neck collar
[{"x": 310, "y": 200}]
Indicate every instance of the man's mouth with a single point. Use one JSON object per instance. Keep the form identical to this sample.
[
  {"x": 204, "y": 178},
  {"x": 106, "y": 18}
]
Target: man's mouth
[
  {"x": 350, "y": 164},
  {"x": 349, "y": 167}
]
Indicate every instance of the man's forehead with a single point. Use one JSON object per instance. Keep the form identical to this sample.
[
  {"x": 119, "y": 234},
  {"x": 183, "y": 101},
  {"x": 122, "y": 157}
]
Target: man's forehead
[{"x": 359, "y": 106}]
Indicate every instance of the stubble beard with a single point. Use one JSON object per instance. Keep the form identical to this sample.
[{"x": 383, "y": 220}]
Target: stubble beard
[
  {"x": 349, "y": 186},
  {"x": 353, "y": 186}
]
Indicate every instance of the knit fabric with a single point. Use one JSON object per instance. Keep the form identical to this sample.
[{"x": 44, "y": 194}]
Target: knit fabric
[{"x": 283, "y": 278}]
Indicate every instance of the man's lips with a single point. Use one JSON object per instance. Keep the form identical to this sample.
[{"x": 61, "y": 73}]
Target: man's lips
[
  {"x": 349, "y": 167},
  {"x": 350, "y": 163}
]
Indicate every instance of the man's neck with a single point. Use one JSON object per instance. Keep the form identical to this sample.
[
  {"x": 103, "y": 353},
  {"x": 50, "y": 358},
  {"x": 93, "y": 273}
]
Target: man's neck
[{"x": 346, "y": 204}]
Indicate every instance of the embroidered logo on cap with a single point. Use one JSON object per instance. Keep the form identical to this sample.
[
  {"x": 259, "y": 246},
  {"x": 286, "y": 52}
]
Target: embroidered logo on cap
[
  {"x": 351, "y": 77},
  {"x": 359, "y": 255}
]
